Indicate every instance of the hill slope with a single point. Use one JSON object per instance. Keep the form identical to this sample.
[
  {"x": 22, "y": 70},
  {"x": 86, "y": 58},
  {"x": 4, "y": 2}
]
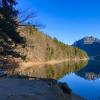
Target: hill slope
[
  {"x": 89, "y": 44},
  {"x": 40, "y": 47}
]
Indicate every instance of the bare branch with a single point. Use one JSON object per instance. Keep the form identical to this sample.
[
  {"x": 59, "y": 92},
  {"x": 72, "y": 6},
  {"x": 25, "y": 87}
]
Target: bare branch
[{"x": 27, "y": 15}]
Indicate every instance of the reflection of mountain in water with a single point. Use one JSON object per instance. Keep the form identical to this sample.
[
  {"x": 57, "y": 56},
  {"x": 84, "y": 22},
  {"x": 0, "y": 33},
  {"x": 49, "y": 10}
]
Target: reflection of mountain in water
[
  {"x": 91, "y": 71},
  {"x": 51, "y": 71}
]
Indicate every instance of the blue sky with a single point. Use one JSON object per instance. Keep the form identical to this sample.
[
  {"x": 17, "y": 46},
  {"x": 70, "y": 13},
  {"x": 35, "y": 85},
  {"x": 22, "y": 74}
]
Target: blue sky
[{"x": 67, "y": 20}]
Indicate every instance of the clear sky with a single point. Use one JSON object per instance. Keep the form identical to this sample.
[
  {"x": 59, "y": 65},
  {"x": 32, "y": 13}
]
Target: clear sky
[{"x": 67, "y": 20}]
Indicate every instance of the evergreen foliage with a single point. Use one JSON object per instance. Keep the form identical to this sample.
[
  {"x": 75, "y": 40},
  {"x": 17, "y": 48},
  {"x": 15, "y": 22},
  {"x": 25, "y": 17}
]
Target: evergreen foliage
[{"x": 9, "y": 21}]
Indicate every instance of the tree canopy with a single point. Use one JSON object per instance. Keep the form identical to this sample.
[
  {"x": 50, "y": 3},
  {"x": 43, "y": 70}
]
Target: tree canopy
[{"x": 9, "y": 21}]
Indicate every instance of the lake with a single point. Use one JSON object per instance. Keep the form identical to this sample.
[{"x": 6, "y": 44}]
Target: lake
[
  {"x": 82, "y": 77},
  {"x": 86, "y": 81}
]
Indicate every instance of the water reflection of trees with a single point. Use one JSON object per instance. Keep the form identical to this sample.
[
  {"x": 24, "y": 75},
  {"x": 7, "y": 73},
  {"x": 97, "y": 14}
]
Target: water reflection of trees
[
  {"x": 58, "y": 71},
  {"x": 51, "y": 71}
]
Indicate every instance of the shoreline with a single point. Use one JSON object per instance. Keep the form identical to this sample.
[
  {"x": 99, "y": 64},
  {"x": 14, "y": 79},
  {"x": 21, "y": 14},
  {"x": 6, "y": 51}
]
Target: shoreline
[
  {"x": 39, "y": 89},
  {"x": 23, "y": 89},
  {"x": 51, "y": 62}
]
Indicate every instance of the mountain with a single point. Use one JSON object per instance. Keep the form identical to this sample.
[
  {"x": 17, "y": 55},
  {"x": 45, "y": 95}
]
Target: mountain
[{"x": 89, "y": 44}]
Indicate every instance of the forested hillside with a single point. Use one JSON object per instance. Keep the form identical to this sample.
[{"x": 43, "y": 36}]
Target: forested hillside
[
  {"x": 41, "y": 47},
  {"x": 20, "y": 42}
]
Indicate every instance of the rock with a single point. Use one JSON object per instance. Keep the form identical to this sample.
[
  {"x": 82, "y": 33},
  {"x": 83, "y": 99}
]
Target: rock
[
  {"x": 24, "y": 89},
  {"x": 2, "y": 73},
  {"x": 50, "y": 82},
  {"x": 65, "y": 88}
]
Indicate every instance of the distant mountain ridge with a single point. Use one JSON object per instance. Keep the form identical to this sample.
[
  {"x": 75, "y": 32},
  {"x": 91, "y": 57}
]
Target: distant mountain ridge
[{"x": 89, "y": 44}]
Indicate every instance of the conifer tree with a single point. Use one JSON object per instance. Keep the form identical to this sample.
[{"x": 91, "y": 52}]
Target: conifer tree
[{"x": 9, "y": 21}]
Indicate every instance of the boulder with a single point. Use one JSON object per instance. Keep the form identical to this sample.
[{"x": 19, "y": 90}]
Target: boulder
[{"x": 65, "y": 88}]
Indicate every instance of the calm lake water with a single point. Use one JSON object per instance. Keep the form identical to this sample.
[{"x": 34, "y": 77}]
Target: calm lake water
[
  {"x": 82, "y": 77},
  {"x": 86, "y": 81}
]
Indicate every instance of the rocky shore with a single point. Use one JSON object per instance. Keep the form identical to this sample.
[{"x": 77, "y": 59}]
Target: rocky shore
[{"x": 35, "y": 89}]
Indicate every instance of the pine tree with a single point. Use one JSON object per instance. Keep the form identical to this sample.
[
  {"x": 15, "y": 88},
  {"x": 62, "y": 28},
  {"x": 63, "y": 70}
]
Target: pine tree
[{"x": 9, "y": 21}]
